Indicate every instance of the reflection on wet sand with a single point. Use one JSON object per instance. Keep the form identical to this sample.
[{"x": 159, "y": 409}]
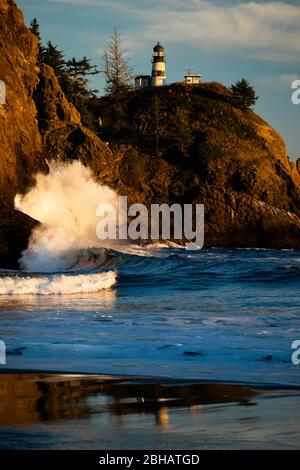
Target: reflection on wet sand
[{"x": 27, "y": 398}]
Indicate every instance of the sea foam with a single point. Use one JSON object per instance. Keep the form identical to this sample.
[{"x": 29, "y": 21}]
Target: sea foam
[
  {"x": 56, "y": 284},
  {"x": 65, "y": 201}
]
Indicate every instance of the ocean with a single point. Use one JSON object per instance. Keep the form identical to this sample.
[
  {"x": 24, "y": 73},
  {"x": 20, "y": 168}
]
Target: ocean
[
  {"x": 211, "y": 314},
  {"x": 161, "y": 346}
]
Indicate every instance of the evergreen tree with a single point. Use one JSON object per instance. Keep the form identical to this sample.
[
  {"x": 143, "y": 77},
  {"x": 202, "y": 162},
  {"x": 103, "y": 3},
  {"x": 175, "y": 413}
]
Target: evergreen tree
[
  {"x": 179, "y": 133},
  {"x": 55, "y": 58},
  {"x": 78, "y": 91},
  {"x": 151, "y": 123},
  {"x": 72, "y": 75},
  {"x": 244, "y": 95},
  {"x": 78, "y": 72},
  {"x": 35, "y": 29},
  {"x": 117, "y": 72}
]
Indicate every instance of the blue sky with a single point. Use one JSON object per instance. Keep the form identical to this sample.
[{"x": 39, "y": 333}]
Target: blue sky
[{"x": 223, "y": 40}]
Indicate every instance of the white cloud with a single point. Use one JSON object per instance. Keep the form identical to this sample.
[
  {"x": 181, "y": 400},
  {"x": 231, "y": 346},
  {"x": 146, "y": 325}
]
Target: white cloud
[
  {"x": 279, "y": 81},
  {"x": 267, "y": 30}
]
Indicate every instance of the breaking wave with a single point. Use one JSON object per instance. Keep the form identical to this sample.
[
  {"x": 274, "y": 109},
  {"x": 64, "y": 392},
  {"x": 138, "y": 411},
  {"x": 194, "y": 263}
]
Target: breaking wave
[
  {"x": 56, "y": 283},
  {"x": 64, "y": 255},
  {"x": 65, "y": 201}
]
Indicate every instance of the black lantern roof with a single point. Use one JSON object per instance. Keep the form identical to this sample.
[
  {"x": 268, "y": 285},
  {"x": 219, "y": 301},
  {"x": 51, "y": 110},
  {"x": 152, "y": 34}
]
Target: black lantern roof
[{"x": 158, "y": 48}]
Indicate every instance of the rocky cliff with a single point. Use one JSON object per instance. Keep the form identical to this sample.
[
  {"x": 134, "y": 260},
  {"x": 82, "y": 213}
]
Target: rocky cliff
[
  {"x": 237, "y": 165},
  {"x": 20, "y": 141},
  {"x": 233, "y": 161},
  {"x": 64, "y": 136}
]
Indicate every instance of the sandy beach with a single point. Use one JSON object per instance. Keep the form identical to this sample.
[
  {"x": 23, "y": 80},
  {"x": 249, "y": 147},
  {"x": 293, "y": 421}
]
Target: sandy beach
[{"x": 75, "y": 411}]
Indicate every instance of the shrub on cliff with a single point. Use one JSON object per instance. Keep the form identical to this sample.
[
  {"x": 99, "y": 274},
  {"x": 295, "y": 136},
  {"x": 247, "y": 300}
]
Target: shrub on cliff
[{"x": 177, "y": 120}]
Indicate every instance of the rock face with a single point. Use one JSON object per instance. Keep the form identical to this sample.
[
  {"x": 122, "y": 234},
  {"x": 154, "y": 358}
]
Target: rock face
[
  {"x": 64, "y": 137},
  {"x": 20, "y": 141},
  {"x": 15, "y": 230},
  {"x": 52, "y": 106},
  {"x": 239, "y": 168},
  {"x": 232, "y": 218},
  {"x": 36, "y": 112}
]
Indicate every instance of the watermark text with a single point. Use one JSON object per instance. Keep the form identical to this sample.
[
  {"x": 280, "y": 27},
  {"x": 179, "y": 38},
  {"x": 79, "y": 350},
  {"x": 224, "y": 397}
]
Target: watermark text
[
  {"x": 296, "y": 353},
  {"x": 136, "y": 222},
  {"x": 2, "y": 92}
]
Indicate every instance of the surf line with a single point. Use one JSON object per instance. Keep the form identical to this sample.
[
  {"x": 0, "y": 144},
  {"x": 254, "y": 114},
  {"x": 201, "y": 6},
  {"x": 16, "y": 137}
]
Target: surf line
[{"x": 163, "y": 221}]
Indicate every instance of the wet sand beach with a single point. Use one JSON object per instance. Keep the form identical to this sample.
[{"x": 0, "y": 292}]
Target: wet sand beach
[{"x": 75, "y": 411}]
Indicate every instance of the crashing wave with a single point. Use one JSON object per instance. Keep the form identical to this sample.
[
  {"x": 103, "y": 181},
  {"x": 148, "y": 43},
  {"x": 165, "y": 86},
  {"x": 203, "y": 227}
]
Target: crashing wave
[{"x": 58, "y": 284}]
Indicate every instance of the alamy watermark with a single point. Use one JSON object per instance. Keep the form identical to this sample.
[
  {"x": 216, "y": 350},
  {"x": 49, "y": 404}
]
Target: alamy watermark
[
  {"x": 296, "y": 354},
  {"x": 2, "y": 92},
  {"x": 296, "y": 93},
  {"x": 2, "y": 353},
  {"x": 136, "y": 222}
]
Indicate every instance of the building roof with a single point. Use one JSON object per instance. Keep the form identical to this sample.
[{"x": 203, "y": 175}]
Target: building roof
[
  {"x": 143, "y": 76},
  {"x": 158, "y": 48}
]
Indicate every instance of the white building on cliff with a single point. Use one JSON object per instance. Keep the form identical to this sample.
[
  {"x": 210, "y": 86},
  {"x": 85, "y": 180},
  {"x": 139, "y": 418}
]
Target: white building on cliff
[{"x": 159, "y": 74}]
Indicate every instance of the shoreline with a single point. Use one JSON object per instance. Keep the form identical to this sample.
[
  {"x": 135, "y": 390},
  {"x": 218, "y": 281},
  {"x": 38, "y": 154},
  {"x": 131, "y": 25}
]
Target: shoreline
[
  {"x": 268, "y": 387},
  {"x": 48, "y": 410}
]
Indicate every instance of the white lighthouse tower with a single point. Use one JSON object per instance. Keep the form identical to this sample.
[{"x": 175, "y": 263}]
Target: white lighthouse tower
[{"x": 158, "y": 76}]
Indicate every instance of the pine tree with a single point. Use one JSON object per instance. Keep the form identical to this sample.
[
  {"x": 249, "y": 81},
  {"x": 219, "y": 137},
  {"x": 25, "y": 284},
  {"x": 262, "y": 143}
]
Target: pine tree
[
  {"x": 179, "y": 133},
  {"x": 78, "y": 72},
  {"x": 55, "y": 58},
  {"x": 116, "y": 69},
  {"x": 78, "y": 91},
  {"x": 244, "y": 95},
  {"x": 35, "y": 29},
  {"x": 72, "y": 75},
  {"x": 150, "y": 123}
]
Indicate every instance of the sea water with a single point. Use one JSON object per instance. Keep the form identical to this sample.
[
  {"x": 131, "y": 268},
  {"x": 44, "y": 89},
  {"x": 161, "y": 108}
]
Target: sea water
[
  {"x": 160, "y": 310},
  {"x": 217, "y": 314}
]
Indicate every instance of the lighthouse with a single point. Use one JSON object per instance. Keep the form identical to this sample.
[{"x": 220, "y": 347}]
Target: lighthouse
[{"x": 158, "y": 76}]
